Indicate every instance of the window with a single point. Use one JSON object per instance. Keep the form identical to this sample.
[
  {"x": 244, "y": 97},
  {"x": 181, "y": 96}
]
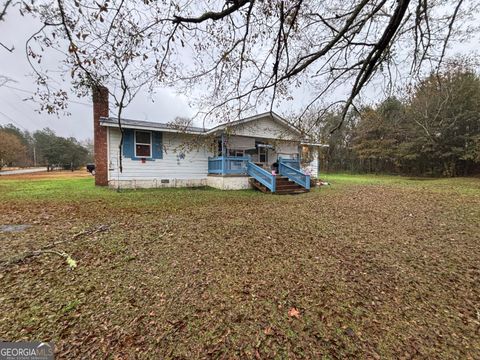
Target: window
[
  {"x": 262, "y": 149},
  {"x": 233, "y": 152},
  {"x": 143, "y": 144},
  {"x": 262, "y": 154}
]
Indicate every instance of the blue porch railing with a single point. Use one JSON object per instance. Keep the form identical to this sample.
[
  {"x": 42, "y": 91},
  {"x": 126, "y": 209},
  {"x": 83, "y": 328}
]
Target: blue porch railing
[
  {"x": 293, "y": 174},
  {"x": 294, "y": 163},
  {"x": 241, "y": 165},
  {"x": 262, "y": 176},
  {"x": 228, "y": 165}
]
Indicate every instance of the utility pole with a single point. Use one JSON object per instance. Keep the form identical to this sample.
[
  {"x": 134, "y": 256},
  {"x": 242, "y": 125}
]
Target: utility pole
[{"x": 34, "y": 157}]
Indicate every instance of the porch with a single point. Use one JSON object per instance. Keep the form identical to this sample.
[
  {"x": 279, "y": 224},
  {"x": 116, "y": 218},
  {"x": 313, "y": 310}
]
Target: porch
[
  {"x": 257, "y": 161},
  {"x": 238, "y": 165},
  {"x": 240, "y": 172}
]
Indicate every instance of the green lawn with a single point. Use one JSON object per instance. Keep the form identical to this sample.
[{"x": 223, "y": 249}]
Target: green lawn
[{"x": 374, "y": 266}]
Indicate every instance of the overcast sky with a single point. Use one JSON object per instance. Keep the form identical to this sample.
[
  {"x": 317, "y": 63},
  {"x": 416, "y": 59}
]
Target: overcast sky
[{"x": 16, "y": 108}]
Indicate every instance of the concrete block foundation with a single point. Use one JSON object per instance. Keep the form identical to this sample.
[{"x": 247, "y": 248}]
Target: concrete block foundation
[{"x": 228, "y": 182}]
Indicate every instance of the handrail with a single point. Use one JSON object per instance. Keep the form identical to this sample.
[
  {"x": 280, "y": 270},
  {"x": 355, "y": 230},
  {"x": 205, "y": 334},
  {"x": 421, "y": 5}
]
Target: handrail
[
  {"x": 231, "y": 157},
  {"x": 262, "y": 176},
  {"x": 228, "y": 165},
  {"x": 215, "y": 165},
  {"x": 294, "y": 175},
  {"x": 295, "y": 163}
]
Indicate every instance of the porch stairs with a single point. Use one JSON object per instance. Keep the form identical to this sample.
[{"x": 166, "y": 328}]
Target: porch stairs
[{"x": 283, "y": 186}]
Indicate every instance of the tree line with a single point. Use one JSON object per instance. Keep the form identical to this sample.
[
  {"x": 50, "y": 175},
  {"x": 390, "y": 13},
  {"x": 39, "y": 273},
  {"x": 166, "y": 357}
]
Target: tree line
[
  {"x": 41, "y": 148},
  {"x": 433, "y": 129}
]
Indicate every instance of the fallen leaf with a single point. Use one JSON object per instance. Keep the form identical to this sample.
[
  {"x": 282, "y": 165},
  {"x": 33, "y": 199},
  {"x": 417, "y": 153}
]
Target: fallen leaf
[{"x": 293, "y": 312}]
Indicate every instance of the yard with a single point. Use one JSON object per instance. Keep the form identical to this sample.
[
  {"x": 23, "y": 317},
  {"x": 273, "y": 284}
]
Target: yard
[{"x": 369, "y": 267}]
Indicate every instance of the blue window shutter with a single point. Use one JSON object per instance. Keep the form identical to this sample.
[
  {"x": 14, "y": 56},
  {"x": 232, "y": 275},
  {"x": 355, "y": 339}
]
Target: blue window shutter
[
  {"x": 128, "y": 143},
  {"x": 157, "y": 148}
]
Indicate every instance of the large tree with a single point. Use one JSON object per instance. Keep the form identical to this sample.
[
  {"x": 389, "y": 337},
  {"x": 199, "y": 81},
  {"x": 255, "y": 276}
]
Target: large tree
[
  {"x": 379, "y": 134},
  {"x": 58, "y": 151},
  {"x": 237, "y": 55},
  {"x": 12, "y": 151},
  {"x": 444, "y": 110}
]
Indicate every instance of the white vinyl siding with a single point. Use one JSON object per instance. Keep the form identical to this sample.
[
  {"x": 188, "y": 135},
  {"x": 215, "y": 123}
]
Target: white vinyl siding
[
  {"x": 287, "y": 148},
  {"x": 177, "y": 163},
  {"x": 266, "y": 128},
  {"x": 240, "y": 143}
]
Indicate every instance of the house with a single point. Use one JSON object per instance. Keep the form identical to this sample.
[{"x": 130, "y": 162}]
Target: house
[{"x": 236, "y": 155}]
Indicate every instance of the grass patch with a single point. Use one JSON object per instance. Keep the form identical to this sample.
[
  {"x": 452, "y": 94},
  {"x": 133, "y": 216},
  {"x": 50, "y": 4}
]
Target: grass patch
[
  {"x": 377, "y": 267},
  {"x": 469, "y": 186},
  {"x": 71, "y": 306}
]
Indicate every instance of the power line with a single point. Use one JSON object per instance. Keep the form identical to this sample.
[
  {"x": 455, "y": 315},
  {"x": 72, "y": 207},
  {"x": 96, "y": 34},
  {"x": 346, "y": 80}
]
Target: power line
[
  {"x": 27, "y": 117},
  {"x": 19, "y": 110},
  {"x": 9, "y": 118},
  {"x": 33, "y": 93}
]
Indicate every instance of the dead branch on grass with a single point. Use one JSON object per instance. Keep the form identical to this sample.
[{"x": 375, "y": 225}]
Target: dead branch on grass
[{"x": 47, "y": 249}]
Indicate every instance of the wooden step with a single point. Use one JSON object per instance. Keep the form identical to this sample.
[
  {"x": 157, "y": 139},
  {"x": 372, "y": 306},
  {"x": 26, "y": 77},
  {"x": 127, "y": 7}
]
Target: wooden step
[
  {"x": 282, "y": 178},
  {"x": 283, "y": 182},
  {"x": 287, "y": 183},
  {"x": 289, "y": 187},
  {"x": 282, "y": 188},
  {"x": 291, "y": 192},
  {"x": 259, "y": 186}
]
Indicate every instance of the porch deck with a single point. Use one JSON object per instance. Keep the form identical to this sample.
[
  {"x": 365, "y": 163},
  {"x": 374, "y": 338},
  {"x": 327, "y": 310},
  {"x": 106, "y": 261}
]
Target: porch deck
[
  {"x": 263, "y": 179},
  {"x": 237, "y": 165}
]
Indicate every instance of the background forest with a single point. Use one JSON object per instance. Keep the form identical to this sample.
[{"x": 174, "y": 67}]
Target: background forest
[
  {"x": 434, "y": 130},
  {"x": 43, "y": 147}
]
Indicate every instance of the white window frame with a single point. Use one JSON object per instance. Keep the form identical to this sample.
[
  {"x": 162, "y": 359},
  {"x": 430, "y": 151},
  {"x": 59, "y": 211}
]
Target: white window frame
[
  {"x": 236, "y": 152},
  {"x": 264, "y": 148},
  {"x": 135, "y": 144}
]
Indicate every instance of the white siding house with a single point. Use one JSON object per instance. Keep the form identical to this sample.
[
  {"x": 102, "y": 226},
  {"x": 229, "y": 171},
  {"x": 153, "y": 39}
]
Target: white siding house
[{"x": 226, "y": 156}]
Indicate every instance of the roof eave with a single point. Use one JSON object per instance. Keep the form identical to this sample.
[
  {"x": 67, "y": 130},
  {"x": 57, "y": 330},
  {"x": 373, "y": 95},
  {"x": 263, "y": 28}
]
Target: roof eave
[
  {"x": 274, "y": 116},
  {"x": 151, "y": 128}
]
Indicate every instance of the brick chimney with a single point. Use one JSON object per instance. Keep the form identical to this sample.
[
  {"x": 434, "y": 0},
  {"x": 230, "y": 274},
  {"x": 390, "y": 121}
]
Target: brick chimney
[{"x": 100, "y": 109}]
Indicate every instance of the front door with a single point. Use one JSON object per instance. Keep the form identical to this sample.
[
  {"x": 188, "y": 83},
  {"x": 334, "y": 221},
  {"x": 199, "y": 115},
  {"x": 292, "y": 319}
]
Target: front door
[{"x": 263, "y": 155}]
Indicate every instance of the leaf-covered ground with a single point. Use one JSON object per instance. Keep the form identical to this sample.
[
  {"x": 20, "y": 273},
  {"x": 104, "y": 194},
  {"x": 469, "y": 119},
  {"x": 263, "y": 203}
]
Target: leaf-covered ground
[{"x": 370, "y": 267}]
